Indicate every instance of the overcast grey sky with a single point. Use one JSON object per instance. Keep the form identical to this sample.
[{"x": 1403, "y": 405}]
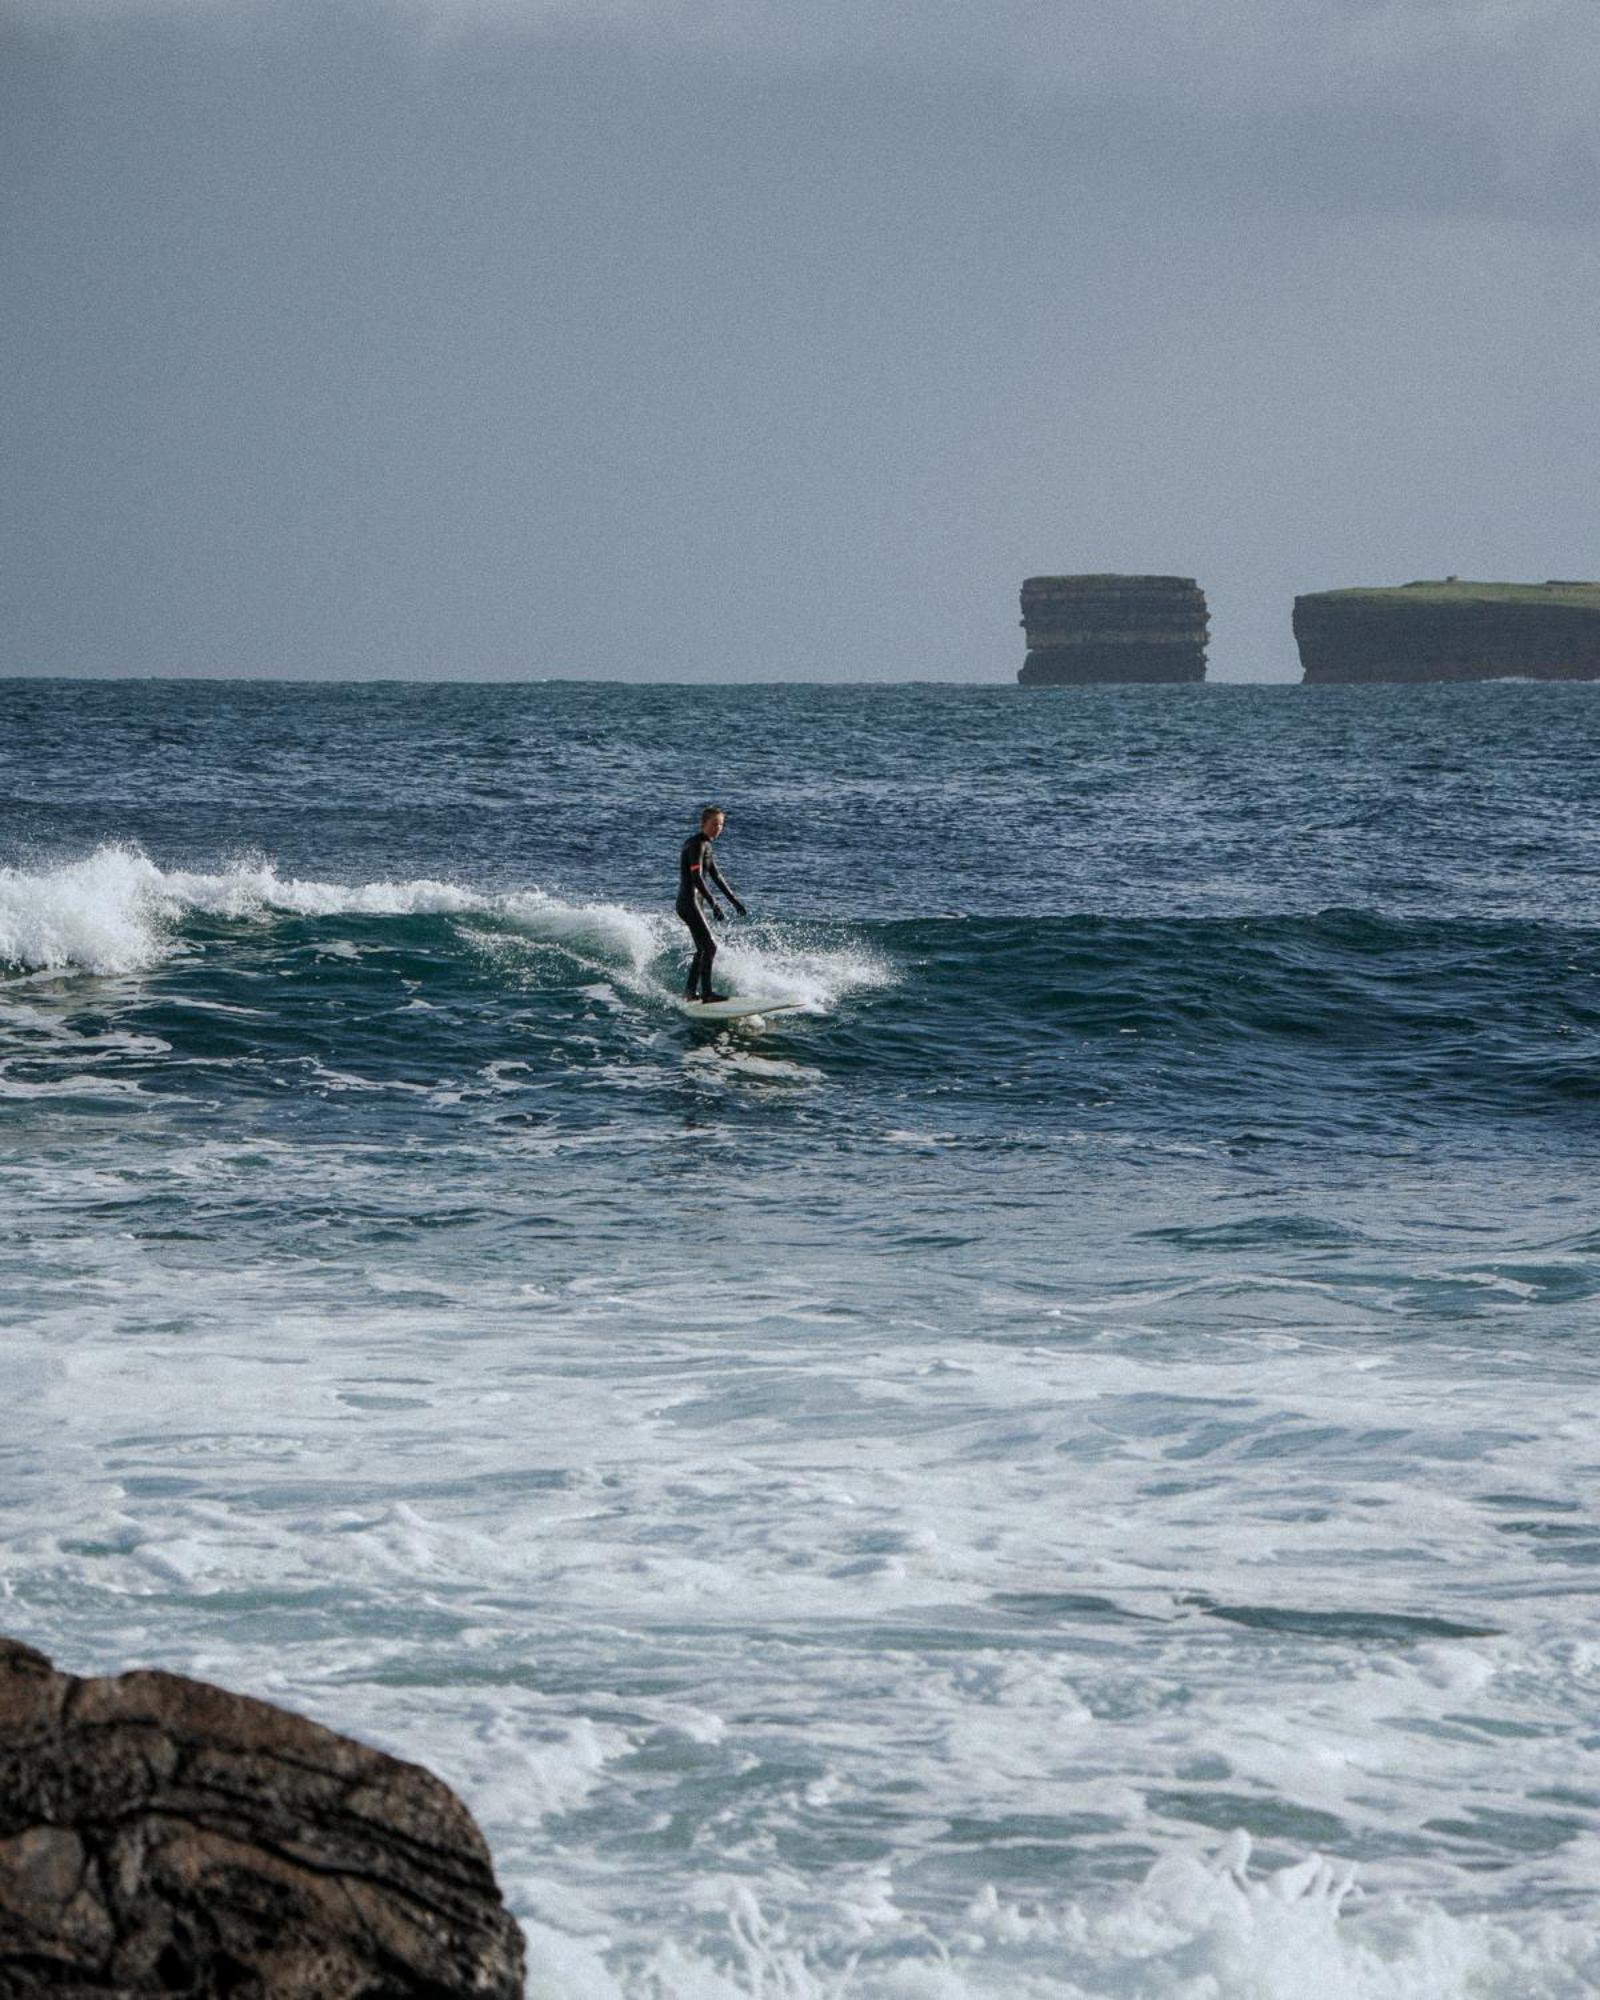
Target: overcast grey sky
[{"x": 730, "y": 339}]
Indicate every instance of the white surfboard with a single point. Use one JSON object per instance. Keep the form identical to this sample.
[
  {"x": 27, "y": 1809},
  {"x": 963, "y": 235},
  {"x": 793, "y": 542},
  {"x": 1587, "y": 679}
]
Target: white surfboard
[{"x": 737, "y": 1007}]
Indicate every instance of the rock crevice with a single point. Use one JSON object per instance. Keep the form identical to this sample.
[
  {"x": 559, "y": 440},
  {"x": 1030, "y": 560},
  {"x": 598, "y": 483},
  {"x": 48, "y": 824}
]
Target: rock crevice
[{"x": 160, "y": 1836}]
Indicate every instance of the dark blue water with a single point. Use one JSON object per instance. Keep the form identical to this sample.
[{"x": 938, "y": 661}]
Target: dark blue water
[{"x": 968, "y": 1486}]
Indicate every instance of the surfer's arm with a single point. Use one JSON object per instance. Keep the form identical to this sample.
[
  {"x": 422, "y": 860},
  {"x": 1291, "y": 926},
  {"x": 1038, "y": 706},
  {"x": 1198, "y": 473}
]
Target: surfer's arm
[{"x": 724, "y": 885}]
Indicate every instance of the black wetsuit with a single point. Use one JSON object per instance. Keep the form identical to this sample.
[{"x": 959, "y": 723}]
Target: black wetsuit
[{"x": 695, "y": 864}]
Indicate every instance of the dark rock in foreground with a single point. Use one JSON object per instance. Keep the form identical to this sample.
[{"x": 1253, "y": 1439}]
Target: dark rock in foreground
[
  {"x": 158, "y": 1836},
  {"x": 1084, "y": 630},
  {"x": 1451, "y": 631}
]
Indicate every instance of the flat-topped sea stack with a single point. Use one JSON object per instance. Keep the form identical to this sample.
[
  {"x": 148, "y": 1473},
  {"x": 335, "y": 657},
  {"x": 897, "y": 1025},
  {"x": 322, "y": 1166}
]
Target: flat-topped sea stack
[
  {"x": 1451, "y": 631},
  {"x": 1085, "y": 630}
]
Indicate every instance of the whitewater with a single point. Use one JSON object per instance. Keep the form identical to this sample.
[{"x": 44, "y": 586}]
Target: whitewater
[{"x": 1064, "y": 1467}]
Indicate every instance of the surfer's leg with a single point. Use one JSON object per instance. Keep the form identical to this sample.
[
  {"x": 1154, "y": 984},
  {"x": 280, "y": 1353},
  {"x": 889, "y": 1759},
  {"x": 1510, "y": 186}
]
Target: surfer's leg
[
  {"x": 705, "y": 949},
  {"x": 707, "y": 952}
]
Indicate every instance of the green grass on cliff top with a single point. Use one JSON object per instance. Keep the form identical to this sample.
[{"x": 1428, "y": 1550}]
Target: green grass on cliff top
[
  {"x": 1100, "y": 578},
  {"x": 1453, "y": 590}
]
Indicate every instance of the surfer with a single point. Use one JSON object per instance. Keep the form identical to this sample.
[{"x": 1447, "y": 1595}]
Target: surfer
[{"x": 695, "y": 865}]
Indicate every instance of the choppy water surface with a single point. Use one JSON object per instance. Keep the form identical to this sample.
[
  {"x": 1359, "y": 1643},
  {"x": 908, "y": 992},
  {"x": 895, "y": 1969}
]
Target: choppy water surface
[{"x": 1064, "y": 1467}]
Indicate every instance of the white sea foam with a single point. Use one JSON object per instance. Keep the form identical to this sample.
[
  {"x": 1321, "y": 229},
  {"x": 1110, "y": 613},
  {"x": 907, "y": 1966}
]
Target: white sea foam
[
  {"x": 1199, "y": 1927},
  {"x": 653, "y": 1473},
  {"x": 723, "y": 1059},
  {"x": 69, "y": 1086},
  {"x": 103, "y": 914},
  {"x": 609, "y": 935},
  {"x": 771, "y": 965},
  {"x": 116, "y": 911}
]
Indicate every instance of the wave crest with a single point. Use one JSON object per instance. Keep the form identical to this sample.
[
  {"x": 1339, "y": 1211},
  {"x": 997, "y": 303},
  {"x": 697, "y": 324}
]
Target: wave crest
[{"x": 115, "y": 912}]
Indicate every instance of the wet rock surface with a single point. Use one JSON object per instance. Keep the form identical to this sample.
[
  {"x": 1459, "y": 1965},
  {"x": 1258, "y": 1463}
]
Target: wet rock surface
[{"x": 160, "y": 1836}]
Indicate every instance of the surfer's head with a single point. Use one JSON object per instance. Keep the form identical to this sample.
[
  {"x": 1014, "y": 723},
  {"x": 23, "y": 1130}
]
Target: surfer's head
[{"x": 711, "y": 820}]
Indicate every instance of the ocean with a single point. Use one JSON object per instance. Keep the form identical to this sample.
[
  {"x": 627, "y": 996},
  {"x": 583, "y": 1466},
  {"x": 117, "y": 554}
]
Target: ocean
[{"x": 1065, "y": 1466}]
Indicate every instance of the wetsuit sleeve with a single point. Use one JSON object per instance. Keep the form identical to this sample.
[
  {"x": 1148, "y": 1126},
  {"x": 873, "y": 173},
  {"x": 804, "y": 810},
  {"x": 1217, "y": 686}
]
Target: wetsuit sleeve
[{"x": 724, "y": 884}]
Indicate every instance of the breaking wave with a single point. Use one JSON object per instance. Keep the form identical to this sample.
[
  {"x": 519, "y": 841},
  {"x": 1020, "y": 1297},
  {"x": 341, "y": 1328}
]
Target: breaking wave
[{"x": 116, "y": 911}]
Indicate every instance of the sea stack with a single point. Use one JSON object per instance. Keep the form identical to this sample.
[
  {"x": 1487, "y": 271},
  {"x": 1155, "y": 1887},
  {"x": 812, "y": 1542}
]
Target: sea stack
[
  {"x": 1083, "y": 630},
  {"x": 1451, "y": 631}
]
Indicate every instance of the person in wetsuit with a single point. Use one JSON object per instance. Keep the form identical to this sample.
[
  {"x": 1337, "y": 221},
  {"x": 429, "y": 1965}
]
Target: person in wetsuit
[{"x": 696, "y": 867}]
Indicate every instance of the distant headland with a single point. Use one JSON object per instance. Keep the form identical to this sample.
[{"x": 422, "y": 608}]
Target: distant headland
[
  {"x": 1084, "y": 630},
  {"x": 1451, "y": 631}
]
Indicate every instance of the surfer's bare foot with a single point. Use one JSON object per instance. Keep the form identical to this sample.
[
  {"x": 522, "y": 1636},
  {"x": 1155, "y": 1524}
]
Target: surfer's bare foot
[{"x": 716, "y": 996}]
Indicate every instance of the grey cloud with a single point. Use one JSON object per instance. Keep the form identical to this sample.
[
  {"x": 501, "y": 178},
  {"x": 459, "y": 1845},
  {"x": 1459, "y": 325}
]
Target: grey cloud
[
  {"x": 1535, "y": 56},
  {"x": 1515, "y": 80}
]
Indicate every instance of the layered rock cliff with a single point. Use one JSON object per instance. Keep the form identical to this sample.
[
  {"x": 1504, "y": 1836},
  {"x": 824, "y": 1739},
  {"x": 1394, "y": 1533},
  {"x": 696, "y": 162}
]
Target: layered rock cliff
[
  {"x": 161, "y": 1837},
  {"x": 1451, "y": 631},
  {"x": 1087, "y": 629}
]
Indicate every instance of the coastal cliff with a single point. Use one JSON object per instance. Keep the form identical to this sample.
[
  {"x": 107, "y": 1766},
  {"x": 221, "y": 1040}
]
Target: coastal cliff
[
  {"x": 1451, "y": 631},
  {"x": 1087, "y": 629}
]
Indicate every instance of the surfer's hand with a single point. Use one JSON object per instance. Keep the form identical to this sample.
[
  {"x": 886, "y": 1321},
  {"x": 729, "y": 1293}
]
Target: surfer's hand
[{"x": 740, "y": 907}]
